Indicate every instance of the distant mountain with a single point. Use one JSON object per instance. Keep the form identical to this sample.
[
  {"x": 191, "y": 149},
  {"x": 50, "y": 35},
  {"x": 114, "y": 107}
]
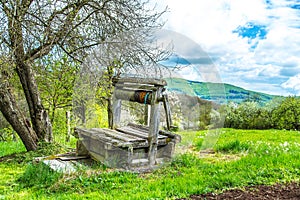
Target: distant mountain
[{"x": 217, "y": 92}]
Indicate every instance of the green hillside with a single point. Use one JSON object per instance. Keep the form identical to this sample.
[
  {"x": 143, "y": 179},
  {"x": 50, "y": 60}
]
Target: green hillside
[{"x": 218, "y": 92}]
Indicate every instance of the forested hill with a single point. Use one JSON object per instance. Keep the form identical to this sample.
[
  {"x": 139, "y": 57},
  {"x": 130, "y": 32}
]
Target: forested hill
[{"x": 217, "y": 91}]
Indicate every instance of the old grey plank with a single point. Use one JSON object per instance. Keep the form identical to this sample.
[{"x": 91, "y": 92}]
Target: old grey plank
[
  {"x": 138, "y": 132},
  {"x": 145, "y": 129},
  {"x": 133, "y": 132},
  {"x": 153, "y": 129},
  {"x": 151, "y": 81},
  {"x": 120, "y": 135}
]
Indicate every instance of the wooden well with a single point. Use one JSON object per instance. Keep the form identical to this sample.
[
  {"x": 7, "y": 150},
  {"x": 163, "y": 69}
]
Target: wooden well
[{"x": 132, "y": 146}]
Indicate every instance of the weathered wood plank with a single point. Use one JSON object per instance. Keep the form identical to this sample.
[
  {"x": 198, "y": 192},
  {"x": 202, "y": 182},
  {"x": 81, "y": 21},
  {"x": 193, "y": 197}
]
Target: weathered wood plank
[
  {"x": 66, "y": 158},
  {"x": 136, "y": 80},
  {"x": 142, "y": 134},
  {"x": 171, "y": 135},
  {"x": 91, "y": 134},
  {"x": 154, "y": 128},
  {"x": 138, "y": 126},
  {"x": 129, "y": 130},
  {"x": 108, "y": 138},
  {"x": 86, "y": 132},
  {"x": 120, "y": 135},
  {"x": 142, "y": 128},
  {"x": 111, "y": 134},
  {"x": 167, "y": 111},
  {"x": 134, "y": 86},
  {"x": 146, "y": 115},
  {"x": 117, "y": 112}
]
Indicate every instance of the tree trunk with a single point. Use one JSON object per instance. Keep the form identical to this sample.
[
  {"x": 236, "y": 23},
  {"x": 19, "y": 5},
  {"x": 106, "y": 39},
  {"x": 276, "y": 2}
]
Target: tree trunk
[
  {"x": 41, "y": 130},
  {"x": 110, "y": 113},
  {"x": 15, "y": 117},
  {"x": 39, "y": 116}
]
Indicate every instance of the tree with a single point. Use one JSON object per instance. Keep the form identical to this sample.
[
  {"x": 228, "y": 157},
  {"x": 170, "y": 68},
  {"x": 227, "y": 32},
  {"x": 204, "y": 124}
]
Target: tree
[
  {"x": 131, "y": 52},
  {"x": 56, "y": 79},
  {"x": 13, "y": 113},
  {"x": 31, "y": 29},
  {"x": 286, "y": 115},
  {"x": 247, "y": 115}
]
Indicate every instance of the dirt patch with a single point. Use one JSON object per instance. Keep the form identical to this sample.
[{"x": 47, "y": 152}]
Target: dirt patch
[
  {"x": 211, "y": 156},
  {"x": 289, "y": 191}
]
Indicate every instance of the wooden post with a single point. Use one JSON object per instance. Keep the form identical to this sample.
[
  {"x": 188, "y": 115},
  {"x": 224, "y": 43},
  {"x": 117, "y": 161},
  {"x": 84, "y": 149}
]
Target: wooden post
[
  {"x": 154, "y": 128},
  {"x": 116, "y": 112},
  {"x": 167, "y": 112},
  {"x": 147, "y": 113}
]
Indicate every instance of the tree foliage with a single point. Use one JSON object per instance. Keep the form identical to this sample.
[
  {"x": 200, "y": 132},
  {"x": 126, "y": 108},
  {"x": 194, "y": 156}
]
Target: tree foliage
[
  {"x": 286, "y": 115},
  {"x": 31, "y": 29},
  {"x": 56, "y": 78},
  {"x": 278, "y": 114}
]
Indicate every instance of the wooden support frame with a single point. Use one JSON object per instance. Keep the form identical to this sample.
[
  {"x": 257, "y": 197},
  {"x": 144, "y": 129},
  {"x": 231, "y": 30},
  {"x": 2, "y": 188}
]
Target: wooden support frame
[
  {"x": 133, "y": 146},
  {"x": 148, "y": 92}
]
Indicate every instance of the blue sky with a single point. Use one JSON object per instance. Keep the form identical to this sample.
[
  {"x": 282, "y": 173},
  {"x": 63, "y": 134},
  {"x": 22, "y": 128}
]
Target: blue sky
[{"x": 254, "y": 44}]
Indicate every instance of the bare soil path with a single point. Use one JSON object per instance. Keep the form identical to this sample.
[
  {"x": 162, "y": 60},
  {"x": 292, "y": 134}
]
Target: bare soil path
[{"x": 289, "y": 191}]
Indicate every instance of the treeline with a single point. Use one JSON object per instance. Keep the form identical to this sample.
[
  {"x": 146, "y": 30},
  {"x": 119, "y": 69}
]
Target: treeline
[
  {"x": 190, "y": 112},
  {"x": 281, "y": 113}
]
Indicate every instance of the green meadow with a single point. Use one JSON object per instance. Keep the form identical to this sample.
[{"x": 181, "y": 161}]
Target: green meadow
[{"x": 239, "y": 158}]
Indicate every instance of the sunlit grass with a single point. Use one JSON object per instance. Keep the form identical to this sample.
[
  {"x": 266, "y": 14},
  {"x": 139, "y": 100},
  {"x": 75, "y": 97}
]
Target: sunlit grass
[
  {"x": 8, "y": 175},
  {"x": 272, "y": 136},
  {"x": 7, "y": 148},
  {"x": 61, "y": 139},
  {"x": 264, "y": 157}
]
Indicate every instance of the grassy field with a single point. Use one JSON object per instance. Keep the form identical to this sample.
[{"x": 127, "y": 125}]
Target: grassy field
[{"x": 239, "y": 158}]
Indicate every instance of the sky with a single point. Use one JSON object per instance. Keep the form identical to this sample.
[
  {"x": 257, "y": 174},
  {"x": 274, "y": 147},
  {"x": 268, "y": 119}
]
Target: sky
[{"x": 254, "y": 44}]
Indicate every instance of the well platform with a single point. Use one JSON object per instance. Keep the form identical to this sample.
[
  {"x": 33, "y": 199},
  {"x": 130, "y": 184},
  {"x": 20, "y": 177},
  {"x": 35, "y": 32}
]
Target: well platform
[{"x": 126, "y": 147}]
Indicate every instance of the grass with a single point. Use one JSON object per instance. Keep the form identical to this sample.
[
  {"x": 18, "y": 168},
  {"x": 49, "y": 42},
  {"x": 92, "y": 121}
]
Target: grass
[
  {"x": 38, "y": 173},
  {"x": 234, "y": 146},
  {"x": 11, "y": 147},
  {"x": 264, "y": 157}
]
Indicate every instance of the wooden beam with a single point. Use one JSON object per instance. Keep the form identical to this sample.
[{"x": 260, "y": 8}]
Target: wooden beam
[
  {"x": 136, "y": 80},
  {"x": 154, "y": 128}
]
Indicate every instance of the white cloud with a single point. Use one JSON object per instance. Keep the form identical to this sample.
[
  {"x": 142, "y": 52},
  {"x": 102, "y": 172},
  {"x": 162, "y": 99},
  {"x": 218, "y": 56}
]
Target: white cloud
[
  {"x": 211, "y": 25},
  {"x": 293, "y": 84},
  {"x": 212, "y": 22},
  {"x": 269, "y": 71}
]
